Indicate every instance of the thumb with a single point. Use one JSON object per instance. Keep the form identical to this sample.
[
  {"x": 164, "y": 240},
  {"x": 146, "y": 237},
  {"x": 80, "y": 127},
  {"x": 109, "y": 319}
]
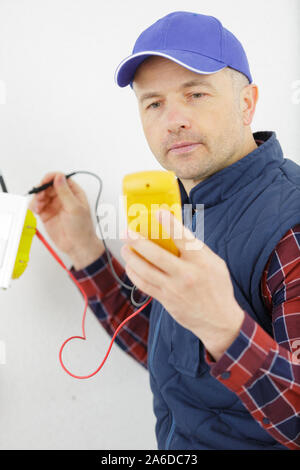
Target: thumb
[
  {"x": 64, "y": 192},
  {"x": 183, "y": 238}
]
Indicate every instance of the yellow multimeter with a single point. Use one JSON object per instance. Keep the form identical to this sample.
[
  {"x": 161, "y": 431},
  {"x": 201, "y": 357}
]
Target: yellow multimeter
[{"x": 145, "y": 192}]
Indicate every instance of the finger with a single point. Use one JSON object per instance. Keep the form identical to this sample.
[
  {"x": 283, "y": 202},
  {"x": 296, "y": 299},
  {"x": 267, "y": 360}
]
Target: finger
[
  {"x": 47, "y": 211},
  {"x": 39, "y": 200},
  {"x": 77, "y": 190},
  {"x": 51, "y": 192},
  {"x": 182, "y": 236},
  {"x": 64, "y": 192},
  {"x": 42, "y": 196},
  {"x": 50, "y": 176},
  {"x": 38, "y": 206},
  {"x": 143, "y": 285},
  {"x": 160, "y": 257},
  {"x": 48, "y": 192},
  {"x": 143, "y": 268}
]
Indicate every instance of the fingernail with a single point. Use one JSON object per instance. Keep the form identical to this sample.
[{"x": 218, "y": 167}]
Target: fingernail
[{"x": 61, "y": 180}]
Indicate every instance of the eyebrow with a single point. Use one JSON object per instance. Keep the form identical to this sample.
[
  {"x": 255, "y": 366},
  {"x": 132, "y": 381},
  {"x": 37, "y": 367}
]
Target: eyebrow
[{"x": 189, "y": 84}]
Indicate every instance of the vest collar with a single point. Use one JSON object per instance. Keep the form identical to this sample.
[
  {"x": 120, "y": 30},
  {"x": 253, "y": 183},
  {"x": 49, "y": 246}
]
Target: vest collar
[{"x": 227, "y": 182}]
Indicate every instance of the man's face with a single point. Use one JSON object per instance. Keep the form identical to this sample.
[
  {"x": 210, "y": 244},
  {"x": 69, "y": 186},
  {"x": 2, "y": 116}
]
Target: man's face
[{"x": 178, "y": 106}]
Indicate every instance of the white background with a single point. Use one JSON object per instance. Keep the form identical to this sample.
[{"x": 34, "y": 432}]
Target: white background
[{"x": 64, "y": 112}]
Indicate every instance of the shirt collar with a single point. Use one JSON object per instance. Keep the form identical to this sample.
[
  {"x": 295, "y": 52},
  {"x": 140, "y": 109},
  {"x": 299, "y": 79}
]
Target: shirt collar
[{"x": 228, "y": 181}]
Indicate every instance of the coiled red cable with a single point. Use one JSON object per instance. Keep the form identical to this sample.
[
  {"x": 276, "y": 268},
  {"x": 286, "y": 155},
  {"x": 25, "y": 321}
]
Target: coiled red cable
[{"x": 55, "y": 255}]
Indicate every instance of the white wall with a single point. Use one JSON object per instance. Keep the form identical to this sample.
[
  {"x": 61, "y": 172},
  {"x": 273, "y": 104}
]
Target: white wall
[{"x": 64, "y": 112}]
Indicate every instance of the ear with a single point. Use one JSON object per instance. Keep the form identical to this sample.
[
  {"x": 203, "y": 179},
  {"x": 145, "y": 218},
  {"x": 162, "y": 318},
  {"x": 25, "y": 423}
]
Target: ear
[{"x": 249, "y": 98}]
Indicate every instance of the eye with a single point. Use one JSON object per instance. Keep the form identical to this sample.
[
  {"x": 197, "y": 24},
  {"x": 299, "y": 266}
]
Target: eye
[
  {"x": 198, "y": 95},
  {"x": 154, "y": 105}
]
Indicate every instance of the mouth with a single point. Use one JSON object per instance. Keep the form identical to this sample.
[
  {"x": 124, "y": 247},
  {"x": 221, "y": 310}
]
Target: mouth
[{"x": 184, "y": 147}]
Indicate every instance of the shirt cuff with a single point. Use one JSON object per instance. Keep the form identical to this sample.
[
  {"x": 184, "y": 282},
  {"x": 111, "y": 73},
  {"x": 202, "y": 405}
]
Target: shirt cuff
[
  {"x": 243, "y": 358},
  {"x": 97, "y": 279},
  {"x": 91, "y": 269}
]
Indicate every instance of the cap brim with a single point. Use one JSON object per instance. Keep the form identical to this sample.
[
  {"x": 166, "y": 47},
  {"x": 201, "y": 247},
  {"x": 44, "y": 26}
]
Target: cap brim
[{"x": 190, "y": 60}]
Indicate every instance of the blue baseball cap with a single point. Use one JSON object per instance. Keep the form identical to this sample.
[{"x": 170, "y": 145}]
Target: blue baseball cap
[{"x": 197, "y": 42}]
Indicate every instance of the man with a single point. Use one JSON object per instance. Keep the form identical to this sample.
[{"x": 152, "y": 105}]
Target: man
[{"x": 219, "y": 334}]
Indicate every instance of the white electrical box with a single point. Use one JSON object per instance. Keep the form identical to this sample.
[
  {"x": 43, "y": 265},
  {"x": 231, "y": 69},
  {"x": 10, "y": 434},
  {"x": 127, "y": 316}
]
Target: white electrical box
[{"x": 13, "y": 209}]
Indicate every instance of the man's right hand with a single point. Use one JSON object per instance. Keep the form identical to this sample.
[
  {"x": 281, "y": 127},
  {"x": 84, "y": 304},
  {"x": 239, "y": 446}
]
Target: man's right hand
[{"x": 65, "y": 213}]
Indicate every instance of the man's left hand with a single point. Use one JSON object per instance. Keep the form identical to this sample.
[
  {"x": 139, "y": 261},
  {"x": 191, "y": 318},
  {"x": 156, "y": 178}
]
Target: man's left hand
[{"x": 194, "y": 287}]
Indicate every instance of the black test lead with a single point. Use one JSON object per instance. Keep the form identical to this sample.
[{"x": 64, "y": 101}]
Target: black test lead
[{"x": 47, "y": 185}]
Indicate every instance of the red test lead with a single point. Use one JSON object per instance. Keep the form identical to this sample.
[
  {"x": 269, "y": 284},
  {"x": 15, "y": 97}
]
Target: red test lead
[{"x": 55, "y": 255}]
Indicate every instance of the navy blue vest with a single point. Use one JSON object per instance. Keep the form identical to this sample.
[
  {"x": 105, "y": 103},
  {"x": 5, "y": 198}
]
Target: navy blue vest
[{"x": 248, "y": 207}]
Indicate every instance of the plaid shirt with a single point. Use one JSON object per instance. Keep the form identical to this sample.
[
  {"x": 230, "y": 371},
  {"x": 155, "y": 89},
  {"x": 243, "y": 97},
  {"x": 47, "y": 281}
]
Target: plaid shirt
[{"x": 263, "y": 372}]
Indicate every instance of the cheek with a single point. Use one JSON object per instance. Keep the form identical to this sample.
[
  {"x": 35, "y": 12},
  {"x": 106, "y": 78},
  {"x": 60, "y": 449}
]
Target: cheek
[
  {"x": 154, "y": 138},
  {"x": 221, "y": 119},
  {"x": 229, "y": 110}
]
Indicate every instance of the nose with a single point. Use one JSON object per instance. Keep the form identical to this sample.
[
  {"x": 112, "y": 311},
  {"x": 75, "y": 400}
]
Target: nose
[{"x": 177, "y": 119}]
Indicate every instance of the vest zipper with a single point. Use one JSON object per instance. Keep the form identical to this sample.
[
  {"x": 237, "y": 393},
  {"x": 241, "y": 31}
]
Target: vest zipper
[
  {"x": 155, "y": 336},
  {"x": 170, "y": 434},
  {"x": 193, "y": 222}
]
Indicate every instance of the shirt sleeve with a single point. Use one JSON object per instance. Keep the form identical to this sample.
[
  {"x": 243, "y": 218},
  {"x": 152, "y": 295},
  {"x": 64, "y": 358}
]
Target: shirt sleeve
[
  {"x": 111, "y": 304},
  {"x": 264, "y": 371}
]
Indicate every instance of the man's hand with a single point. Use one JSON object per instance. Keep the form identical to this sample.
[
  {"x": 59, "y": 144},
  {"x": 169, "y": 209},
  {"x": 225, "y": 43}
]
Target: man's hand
[
  {"x": 65, "y": 212},
  {"x": 195, "y": 288}
]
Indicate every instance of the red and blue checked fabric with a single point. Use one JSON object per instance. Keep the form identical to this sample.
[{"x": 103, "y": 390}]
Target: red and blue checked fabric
[{"x": 263, "y": 371}]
